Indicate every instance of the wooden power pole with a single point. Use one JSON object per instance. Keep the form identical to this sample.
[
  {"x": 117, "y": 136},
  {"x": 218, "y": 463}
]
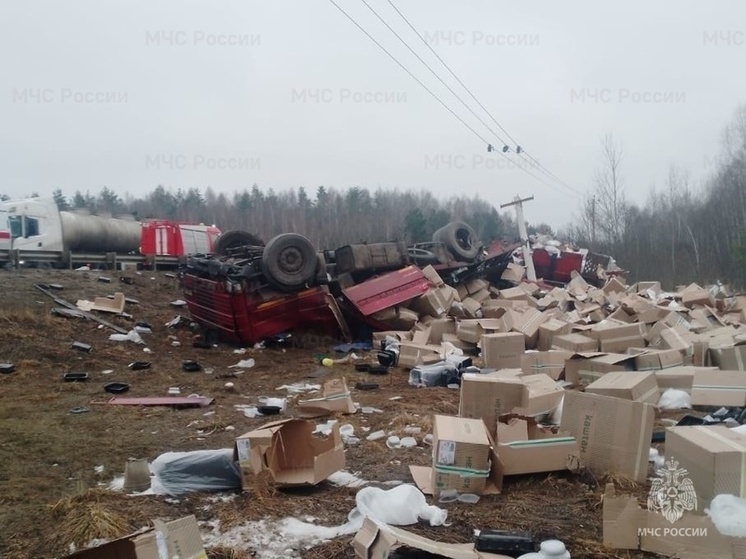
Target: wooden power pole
[{"x": 518, "y": 203}]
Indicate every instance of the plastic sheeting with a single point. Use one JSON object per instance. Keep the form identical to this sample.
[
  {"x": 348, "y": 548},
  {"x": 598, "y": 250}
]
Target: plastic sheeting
[{"x": 177, "y": 473}]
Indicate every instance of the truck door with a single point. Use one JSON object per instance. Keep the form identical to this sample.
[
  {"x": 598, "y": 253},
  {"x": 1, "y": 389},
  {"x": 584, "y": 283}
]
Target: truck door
[{"x": 5, "y": 233}]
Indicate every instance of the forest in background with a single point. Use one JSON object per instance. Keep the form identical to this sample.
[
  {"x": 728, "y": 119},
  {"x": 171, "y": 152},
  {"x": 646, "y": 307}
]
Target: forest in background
[{"x": 682, "y": 233}]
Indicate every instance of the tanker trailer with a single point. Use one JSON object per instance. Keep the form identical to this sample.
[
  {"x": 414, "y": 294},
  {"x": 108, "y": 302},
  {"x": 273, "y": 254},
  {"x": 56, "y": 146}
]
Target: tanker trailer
[{"x": 36, "y": 224}]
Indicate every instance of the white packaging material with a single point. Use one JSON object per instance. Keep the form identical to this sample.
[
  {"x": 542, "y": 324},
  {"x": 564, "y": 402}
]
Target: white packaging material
[
  {"x": 408, "y": 442},
  {"x": 403, "y": 505},
  {"x": 131, "y": 336},
  {"x": 728, "y": 514},
  {"x": 393, "y": 442},
  {"x": 673, "y": 399},
  {"x": 655, "y": 457},
  {"x": 741, "y": 429},
  {"x": 377, "y": 435},
  {"x": 243, "y": 364}
]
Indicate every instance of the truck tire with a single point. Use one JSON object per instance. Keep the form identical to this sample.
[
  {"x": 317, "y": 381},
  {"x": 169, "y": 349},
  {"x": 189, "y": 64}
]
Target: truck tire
[
  {"x": 235, "y": 239},
  {"x": 289, "y": 261},
  {"x": 460, "y": 239}
]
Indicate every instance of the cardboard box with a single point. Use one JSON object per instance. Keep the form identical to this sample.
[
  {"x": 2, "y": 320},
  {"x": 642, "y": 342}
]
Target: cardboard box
[
  {"x": 549, "y": 330},
  {"x": 290, "y": 452},
  {"x": 103, "y": 304},
  {"x": 719, "y": 388},
  {"x": 461, "y": 454},
  {"x": 729, "y": 358},
  {"x": 514, "y": 294},
  {"x": 502, "y": 351},
  {"x": 412, "y": 354},
  {"x": 432, "y": 276},
  {"x": 400, "y": 335},
  {"x": 377, "y": 540},
  {"x": 639, "y": 386},
  {"x": 472, "y": 307},
  {"x": 614, "y": 285},
  {"x": 584, "y": 368},
  {"x": 528, "y": 324},
  {"x": 524, "y": 447},
  {"x": 475, "y": 285},
  {"x": 575, "y": 343},
  {"x": 438, "y": 327},
  {"x": 698, "y": 297},
  {"x": 618, "y": 338},
  {"x": 335, "y": 398},
  {"x": 613, "y": 434},
  {"x": 181, "y": 538},
  {"x": 433, "y": 302},
  {"x": 513, "y": 273},
  {"x": 655, "y": 360},
  {"x": 487, "y": 396},
  {"x": 466, "y": 347},
  {"x": 472, "y": 330},
  {"x": 672, "y": 339},
  {"x": 714, "y": 457},
  {"x": 542, "y": 395},
  {"x": 627, "y": 526},
  {"x": 551, "y": 363},
  {"x": 680, "y": 378}
]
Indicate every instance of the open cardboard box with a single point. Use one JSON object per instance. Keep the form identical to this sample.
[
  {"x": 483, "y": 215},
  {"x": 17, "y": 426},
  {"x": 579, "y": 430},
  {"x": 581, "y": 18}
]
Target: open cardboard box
[
  {"x": 376, "y": 541},
  {"x": 181, "y": 538},
  {"x": 524, "y": 447},
  {"x": 290, "y": 452}
]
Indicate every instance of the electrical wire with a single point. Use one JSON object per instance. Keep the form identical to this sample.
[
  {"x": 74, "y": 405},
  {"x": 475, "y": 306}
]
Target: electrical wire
[
  {"x": 434, "y": 73},
  {"x": 534, "y": 161},
  {"x": 462, "y": 121}
]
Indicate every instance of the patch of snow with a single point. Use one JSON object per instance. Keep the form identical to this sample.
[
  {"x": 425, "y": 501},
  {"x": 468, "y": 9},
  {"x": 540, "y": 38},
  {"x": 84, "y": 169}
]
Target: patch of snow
[
  {"x": 299, "y": 387},
  {"x": 98, "y": 469},
  {"x": 117, "y": 484}
]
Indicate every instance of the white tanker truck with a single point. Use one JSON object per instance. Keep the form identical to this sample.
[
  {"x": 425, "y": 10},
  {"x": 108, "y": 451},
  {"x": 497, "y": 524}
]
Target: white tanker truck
[{"x": 34, "y": 230}]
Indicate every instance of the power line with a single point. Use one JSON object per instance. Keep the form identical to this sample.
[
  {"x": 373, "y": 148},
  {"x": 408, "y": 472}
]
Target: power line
[
  {"x": 445, "y": 65},
  {"x": 433, "y": 72},
  {"x": 462, "y": 121}
]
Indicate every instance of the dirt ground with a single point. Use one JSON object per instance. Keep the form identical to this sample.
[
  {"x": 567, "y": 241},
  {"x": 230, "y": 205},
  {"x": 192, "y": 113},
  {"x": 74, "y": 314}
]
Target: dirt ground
[{"x": 48, "y": 456}]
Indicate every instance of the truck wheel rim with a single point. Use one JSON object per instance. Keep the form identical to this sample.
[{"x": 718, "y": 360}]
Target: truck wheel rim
[{"x": 291, "y": 260}]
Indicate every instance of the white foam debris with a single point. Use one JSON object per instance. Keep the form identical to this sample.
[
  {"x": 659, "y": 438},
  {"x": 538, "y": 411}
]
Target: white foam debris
[
  {"x": 728, "y": 514},
  {"x": 346, "y": 479}
]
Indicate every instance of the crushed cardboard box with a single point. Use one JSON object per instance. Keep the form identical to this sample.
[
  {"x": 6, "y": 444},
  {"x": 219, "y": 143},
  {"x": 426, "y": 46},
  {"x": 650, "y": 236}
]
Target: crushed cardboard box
[
  {"x": 291, "y": 453},
  {"x": 375, "y": 540},
  {"x": 584, "y": 368}
]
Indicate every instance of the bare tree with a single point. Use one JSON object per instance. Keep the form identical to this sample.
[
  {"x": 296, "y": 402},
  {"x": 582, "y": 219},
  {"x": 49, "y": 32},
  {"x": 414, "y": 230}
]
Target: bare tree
[{"x": 610, "y": 203}]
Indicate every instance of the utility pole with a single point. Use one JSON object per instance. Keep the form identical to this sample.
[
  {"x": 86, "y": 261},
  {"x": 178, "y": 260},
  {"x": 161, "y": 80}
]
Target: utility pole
[
  {"x": 518, "y": 203},
  {"x": 593, "y": 222}
]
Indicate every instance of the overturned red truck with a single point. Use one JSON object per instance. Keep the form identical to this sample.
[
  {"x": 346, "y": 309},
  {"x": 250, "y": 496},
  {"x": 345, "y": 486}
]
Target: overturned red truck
[{"x": 246, "y": 291}]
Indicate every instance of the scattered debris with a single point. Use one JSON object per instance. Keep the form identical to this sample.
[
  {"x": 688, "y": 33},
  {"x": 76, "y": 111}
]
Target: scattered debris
[
  {"x": 80, "y": 346},
  {"x": 243, "y": 364},
  {"x": 104, "y": 304},
  {"x": 131, "y": 336},
  {"x": 7, "y": 368},
  {"x": 178, "y": 402},
  {"x": 139, "y": 365},
  {"x": 116, "y": 387},
  {"x": 75, "y": 377}
]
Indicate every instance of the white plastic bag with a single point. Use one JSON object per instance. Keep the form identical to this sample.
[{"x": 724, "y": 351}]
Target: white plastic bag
[
  {"x": 131, "y": 336},
  {"x": 399, "y": 506},
  {"x": 673, "y": 399}
]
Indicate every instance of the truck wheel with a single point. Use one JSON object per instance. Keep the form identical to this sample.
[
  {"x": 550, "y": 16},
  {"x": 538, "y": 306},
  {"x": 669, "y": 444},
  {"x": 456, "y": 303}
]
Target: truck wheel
[
  {"x": 460, "y": 239},
  {"x": 289, "y": 261},
  {"x": 235, "y": 239}
]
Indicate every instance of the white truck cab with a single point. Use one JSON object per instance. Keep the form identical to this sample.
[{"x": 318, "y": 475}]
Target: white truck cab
[{"x": 32, "y": 224}]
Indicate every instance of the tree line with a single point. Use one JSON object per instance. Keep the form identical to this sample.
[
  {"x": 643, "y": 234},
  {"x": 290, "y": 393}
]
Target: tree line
[{"x": 681, "y": 234}]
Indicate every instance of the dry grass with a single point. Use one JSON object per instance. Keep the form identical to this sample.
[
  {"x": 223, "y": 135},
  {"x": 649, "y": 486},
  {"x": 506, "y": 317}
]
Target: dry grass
[
  {"x": 225, "y": 552},
  {"x": 85, "y": 517}
]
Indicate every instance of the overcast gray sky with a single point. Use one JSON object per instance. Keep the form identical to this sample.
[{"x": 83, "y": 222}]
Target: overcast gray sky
[{"x": 290, "y": 93}]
